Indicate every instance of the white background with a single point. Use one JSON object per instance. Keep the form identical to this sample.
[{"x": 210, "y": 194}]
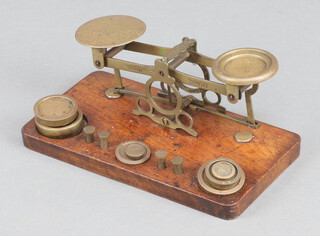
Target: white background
[{"x": 39, "y": 56}]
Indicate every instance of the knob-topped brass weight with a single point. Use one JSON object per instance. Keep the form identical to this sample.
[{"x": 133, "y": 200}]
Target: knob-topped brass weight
[
  {"x": 89, "y": 133},
  {"x": 161, "y": 156},
  {"x": 103, "y": 139},
  {"x": 221, "y": 176},
  {"x": 177, "y": 165}
]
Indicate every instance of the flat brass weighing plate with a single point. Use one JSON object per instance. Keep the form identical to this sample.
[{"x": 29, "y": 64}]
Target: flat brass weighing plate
[
  {"x": 110, "y": 31},
  {"x": 55, "y": 110},
  {"x": 245, "y": 66}
]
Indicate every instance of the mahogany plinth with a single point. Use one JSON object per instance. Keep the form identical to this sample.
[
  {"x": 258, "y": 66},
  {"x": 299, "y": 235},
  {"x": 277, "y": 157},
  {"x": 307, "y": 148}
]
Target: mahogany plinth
[{"x": 263, "y": 159}]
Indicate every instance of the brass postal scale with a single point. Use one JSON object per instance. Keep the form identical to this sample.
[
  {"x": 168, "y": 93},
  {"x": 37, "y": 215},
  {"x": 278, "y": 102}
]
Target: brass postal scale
[{"x": 170, "y": 140}]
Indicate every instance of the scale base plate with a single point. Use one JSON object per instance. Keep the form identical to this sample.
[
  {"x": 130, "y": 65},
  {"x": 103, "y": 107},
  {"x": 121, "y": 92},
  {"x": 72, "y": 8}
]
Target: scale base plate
[{"x": 263, "y": 159}]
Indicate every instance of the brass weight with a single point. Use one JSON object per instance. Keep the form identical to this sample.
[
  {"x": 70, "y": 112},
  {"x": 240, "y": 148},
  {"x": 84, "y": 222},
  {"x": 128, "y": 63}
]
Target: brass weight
[
  {"x": 177, "y": 165},
  {"x": 58, "y": 116},
  {"x": 221, "y": 176},
  {"x": 89, "y": 133},
  {"x": 161, "y": 156},
  {"x": 133, "y": 152},
  {"x": 55, "y": 110},
  {"x": 103, "y": 139}
]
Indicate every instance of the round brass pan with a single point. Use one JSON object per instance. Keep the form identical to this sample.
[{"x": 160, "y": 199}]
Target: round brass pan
[
  {"x": 62, "y": 132},
  {"x": 244, "y": 66},
  {"x": 55, "y": 110},
  {"x": 110, "y": 31}
]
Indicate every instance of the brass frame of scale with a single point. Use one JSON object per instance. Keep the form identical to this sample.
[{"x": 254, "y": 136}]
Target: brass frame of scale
[{"x": 240, "y": 70}]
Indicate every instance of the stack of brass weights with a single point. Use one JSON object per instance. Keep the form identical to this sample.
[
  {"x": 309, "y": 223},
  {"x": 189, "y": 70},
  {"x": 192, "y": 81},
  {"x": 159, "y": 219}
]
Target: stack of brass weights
[
  {"x": 221, "y": 176},
  {"x": 58, "y": 116}
]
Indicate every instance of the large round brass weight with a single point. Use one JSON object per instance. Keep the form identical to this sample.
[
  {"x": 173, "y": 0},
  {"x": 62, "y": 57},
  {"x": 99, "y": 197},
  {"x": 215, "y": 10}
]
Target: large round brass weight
[{"x": 221, "y": 176}]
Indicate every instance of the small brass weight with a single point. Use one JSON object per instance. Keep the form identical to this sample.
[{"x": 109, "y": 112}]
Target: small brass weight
[{"x": 239, "y": 71}]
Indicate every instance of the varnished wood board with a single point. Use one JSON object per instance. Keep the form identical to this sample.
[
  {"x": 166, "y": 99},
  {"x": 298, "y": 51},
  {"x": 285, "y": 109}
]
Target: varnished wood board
[{"x": 263, "y": 159}]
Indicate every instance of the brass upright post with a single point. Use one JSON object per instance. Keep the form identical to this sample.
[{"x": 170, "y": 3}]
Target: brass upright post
[
  {"x": 118, "y": 78},
  {"x": 248, "y": 95}
]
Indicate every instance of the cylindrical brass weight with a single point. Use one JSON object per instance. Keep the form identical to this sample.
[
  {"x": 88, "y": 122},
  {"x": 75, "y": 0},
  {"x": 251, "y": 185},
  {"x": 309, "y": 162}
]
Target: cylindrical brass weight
[
  {"x": 56, "y": 111},
  {"x": 135, "y": 151},
  {"x": 89, "y": 133},
  {"x": 177, "y": 165},
  {"x": 103, "y": 138},
  {"x": 58, "y": 116},
  {"x": 161, "y": 156},
  {"x": 221, "y": 176}
]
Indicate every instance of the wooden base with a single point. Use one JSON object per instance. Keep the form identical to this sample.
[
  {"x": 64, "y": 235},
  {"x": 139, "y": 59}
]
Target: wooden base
[{"x": 263, "y": 159}]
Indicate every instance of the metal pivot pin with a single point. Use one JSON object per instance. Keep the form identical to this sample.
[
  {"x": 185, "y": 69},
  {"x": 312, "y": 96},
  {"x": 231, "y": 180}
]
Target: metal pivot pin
[
  {"x": 103, "y": 139},
  {"x": 89, "y": 133},
  {"x": 177, "y": 165},
  {"x": 161, "y": 156}
]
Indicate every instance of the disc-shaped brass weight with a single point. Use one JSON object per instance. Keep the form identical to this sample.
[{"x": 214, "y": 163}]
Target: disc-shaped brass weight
[
  {"x": 66, "y": 131},
  {"x": 133, "y": 152},
  {"x": 55, "y": 110},
  {"x": 110, "y": 31},
  {"x": 221, "y": 176}
]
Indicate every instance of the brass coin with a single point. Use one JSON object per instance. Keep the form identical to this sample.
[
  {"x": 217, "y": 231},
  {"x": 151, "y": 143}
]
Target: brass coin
[
  {"x": 245, "y": 66},
  {"x": 62, "y": 132},
  {"x": 55, "y": 110},
  {"x": 110, "y": 31}
]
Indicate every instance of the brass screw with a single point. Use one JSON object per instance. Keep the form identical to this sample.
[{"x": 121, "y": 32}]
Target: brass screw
[
  {"x": 177, "y": 165},
  {"x": 161, "y": 156},
  {"x": 231, "y": 97},
  {"x": 103, "y": 138},
  {"x": 97, "y": 63},
  {"x": 89, "y": 133}
]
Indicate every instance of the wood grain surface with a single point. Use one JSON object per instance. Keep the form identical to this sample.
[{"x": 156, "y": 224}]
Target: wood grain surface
[{"x": 263, "y": 159}]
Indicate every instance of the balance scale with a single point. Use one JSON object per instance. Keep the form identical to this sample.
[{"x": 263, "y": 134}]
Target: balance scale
[{"x": 171, "y": 141}]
